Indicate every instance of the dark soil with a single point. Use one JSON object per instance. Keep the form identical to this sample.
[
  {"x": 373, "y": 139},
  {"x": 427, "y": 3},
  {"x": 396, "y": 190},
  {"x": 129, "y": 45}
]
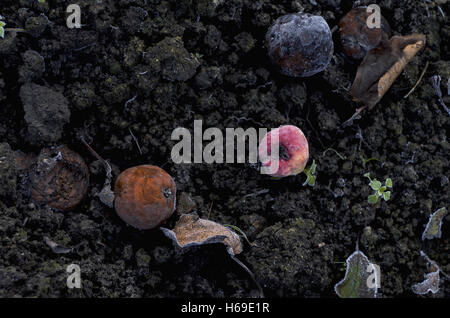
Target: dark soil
[{"x": 150, "y": 66}]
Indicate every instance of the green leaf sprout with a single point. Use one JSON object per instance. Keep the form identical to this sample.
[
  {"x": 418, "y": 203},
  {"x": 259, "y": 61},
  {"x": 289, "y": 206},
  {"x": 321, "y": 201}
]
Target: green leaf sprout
[
  {"x": 366, "y": 161},
  {"x": 310, "y": 174},
  {"x": 379, "y": 189}
]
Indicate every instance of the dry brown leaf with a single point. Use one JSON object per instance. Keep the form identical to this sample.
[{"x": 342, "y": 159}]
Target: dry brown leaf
[
  {"x": 381, "y": 67},
  {"x": 190, "y": 230}
]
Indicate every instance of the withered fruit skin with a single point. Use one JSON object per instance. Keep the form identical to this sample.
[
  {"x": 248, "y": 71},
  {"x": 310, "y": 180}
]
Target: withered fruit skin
[
  {"x": 145, "y": 196},
  {"x": 300, "y": 44},
  {"x": 356, "y": 37},
  {"x": 60, "y": 183}
]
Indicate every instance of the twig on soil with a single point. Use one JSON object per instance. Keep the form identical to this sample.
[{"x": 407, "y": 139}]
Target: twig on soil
[
  {"x": 342, "y": 87},
  {"x": 261, "y": 293},
  {"x": 436, "y": 81},
  {"x": 96, "y": 155},
  {"x": 106, "y": 195},
  {"x": 135, "y": 140},
  {"x": 19, "y": 30},
  {"x": 359, "y": 135},
  {"x": 335, "y": 151},
  {"x": 355, "y": 116},
  {"x": 125, "y": 107},
  {"x": 440, "y": 11},
  {"x": 420, "y": 79},
  {"x": 84, "y": 47},
  {"x": 403, "y": 154},
  {"x": 263, "y": 191},
  {"x": 411, "y": 160},
  {"x": 210, "y": 209}
]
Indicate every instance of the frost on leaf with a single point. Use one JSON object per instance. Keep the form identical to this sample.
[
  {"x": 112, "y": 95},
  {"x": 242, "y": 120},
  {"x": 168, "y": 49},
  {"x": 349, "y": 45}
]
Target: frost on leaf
[
  {"x": 107, "y": 195},
  {"x": 190, "y": 230},
  {"x": 431, "y": 282},
  {"x": 361, "y": 278},
  {"x": 433, "y": 228}
]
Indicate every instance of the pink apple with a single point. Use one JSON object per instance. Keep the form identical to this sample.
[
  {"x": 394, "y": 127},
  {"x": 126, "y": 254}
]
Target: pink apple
[{"x": 283, "y": 152}]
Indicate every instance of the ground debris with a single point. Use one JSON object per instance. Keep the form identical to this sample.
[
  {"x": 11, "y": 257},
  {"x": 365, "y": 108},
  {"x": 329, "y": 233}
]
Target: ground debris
[
  {"x": 56, "y": 248},
  {"x": 431, "y": 283},
  {"x": 436, "y": 82},
  {"x": 433, "y": 228},
  {"x": 106, "y": 195},
  {"x": 361, "y": 278},
  {"x": 381, "y": 67},
  {"x": 190, "y": 230}
]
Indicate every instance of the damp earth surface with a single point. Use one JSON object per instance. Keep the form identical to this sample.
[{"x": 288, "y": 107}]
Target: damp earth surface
[{"x": 136, "y": 70}]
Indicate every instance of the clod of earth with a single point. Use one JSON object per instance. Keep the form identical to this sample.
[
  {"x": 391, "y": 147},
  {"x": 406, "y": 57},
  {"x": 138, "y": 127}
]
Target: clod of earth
[
  {"x": 59, "y": 178},
  {"x": 381, "y": 67},
  {"x": 293, "y": 151},
  {"x": 356, "y": 37},
  {"x": 144, "y": 196},
  {"x": 8, "y": 171},
  {"x": 171, "y": 59},
  {"x": 46, "y": 113},
  {"x": 300, "y": 44}
]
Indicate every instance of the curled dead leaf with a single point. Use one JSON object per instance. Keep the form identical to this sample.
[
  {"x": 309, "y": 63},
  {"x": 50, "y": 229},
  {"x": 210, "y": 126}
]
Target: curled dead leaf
[
  {"x": 381, "y": 67},
  {"x": 431, "y": 282},
  {"x": 434, "y": 225},
  {"x": 190, "y": 230}
]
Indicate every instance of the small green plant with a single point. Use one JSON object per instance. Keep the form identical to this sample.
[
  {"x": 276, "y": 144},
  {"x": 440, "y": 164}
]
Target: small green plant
[
  {"x": 310, "y": 174},
  {"x": 366, "y": 161},
  {"x": 2, "y": 24},
  {"x": 380, "y": 190}
]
